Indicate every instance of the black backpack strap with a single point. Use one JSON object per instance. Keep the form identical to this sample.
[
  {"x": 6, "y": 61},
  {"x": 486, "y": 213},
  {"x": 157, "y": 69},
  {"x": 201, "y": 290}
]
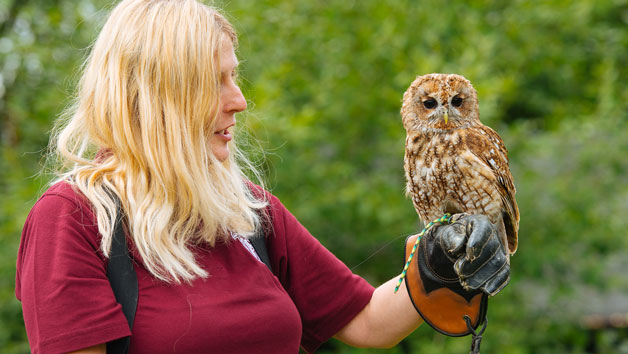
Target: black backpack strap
[
  {"x": 261, "y": 234},
  {"x": 123, "y": 281},
  {"x": 259, "y": 244}
]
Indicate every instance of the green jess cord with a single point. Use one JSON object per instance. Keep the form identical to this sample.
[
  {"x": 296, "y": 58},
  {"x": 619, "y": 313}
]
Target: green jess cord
[{"x": 443, "y": 220}]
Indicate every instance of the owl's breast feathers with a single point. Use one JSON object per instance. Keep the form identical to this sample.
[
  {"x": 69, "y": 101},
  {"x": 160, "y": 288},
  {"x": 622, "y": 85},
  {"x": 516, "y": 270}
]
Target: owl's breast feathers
[{"x": 462, "y": 170}]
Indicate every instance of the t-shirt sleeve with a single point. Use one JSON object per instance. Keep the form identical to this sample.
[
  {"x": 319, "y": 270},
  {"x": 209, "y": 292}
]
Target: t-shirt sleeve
[
  {"x": 61, "y": 278},
  {"x": 325, "y": 291}
]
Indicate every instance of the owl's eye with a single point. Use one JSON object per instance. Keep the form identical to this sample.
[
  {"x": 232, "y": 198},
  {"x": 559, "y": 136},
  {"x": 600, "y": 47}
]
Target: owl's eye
[
  {"x": 456, "y": 101},
  {"x": 430, "y": 103}
]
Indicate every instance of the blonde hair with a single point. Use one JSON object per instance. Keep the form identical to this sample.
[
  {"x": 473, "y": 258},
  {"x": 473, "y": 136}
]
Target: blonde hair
[{"x": 148, "y": 100}]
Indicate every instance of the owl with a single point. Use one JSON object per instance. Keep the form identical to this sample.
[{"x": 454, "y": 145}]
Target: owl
[{"x": 453, "y": 163}]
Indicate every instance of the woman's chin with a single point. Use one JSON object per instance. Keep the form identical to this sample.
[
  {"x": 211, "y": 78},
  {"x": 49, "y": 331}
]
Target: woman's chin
[{"x": 221, "y": 154}]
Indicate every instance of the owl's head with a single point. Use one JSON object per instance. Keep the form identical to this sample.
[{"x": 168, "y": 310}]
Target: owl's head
[{"x": 439, "y": 102}]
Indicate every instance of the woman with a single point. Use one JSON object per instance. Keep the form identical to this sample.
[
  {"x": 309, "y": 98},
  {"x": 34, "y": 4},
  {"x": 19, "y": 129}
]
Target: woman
[{"x": 152, "y": 124}]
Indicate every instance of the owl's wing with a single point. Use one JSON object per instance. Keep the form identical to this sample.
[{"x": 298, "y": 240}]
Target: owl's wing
[{"x": 488, "y": 146}]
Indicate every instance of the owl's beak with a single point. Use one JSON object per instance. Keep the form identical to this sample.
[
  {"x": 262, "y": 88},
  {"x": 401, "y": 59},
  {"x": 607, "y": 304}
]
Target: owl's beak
[{"x": 446, "y": 117}]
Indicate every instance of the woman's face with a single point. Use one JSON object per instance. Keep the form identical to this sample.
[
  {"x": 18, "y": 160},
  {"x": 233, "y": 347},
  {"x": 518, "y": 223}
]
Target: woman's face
[{"x": 231, "y": 101}]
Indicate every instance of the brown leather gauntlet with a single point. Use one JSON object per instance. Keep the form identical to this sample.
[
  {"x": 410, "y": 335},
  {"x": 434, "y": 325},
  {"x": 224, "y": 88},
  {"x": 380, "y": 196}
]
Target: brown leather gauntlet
[{"x": 457, "y": 266}]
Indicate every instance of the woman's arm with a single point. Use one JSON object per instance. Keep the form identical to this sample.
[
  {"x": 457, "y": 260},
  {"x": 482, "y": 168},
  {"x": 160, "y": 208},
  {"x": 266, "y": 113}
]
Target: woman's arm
[
  {"x": 385, "y": 321},
  {"x": 61, "y": 279}
]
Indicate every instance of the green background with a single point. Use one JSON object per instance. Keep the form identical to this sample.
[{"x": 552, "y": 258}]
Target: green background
[{"x": 324, "y": 81}]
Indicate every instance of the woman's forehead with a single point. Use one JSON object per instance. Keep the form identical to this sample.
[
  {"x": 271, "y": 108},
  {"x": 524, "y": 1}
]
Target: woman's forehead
[{"x": 228, "y": 59}]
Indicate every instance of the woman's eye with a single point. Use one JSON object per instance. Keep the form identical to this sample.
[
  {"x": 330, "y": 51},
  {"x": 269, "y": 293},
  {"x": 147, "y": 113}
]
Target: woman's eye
[
  {"x": 227, "y": 77},
  {"x": 429, "y": 103}
]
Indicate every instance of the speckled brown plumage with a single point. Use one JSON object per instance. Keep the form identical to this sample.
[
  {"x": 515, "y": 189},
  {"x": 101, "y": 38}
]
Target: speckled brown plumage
[{"x": 453, "y": 162}]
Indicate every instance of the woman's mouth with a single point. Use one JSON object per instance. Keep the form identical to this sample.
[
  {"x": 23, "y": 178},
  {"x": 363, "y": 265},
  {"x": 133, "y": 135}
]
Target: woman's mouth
[{"x": 224, "y": 134}]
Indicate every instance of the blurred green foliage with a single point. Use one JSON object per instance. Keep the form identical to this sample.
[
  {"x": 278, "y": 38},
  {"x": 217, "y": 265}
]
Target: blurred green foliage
[{"x": 324, "y": 82}]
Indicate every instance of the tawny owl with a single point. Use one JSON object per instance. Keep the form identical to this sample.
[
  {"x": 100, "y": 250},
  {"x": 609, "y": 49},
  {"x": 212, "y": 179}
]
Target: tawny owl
[{"x": 453, "y": 162}]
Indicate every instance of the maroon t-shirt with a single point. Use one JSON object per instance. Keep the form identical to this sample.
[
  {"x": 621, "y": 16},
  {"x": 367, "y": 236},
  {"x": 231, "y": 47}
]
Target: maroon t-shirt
[{"x": 241, "y": 307}]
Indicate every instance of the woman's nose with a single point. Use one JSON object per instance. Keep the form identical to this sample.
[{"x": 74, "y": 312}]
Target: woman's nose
[{"x": 235, "y": 102}]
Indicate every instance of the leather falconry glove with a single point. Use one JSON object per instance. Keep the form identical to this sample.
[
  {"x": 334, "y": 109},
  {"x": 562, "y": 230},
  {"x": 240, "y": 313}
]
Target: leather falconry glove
[
  {"x": 472, "y": 244},
  {"x": 458, "y": 266}
]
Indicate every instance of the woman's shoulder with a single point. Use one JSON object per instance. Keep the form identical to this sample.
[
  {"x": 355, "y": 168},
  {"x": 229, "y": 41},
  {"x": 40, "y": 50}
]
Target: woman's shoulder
[
  {"x": 62, "y": 202},
  {"x": 260, "y": 193},
  {"x": 66, "y": 190}
]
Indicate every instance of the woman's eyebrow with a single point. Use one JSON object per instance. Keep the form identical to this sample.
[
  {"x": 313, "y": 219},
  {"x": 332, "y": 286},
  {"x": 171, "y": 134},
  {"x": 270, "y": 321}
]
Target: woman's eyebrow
[{"x": 235, "y": 67}]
